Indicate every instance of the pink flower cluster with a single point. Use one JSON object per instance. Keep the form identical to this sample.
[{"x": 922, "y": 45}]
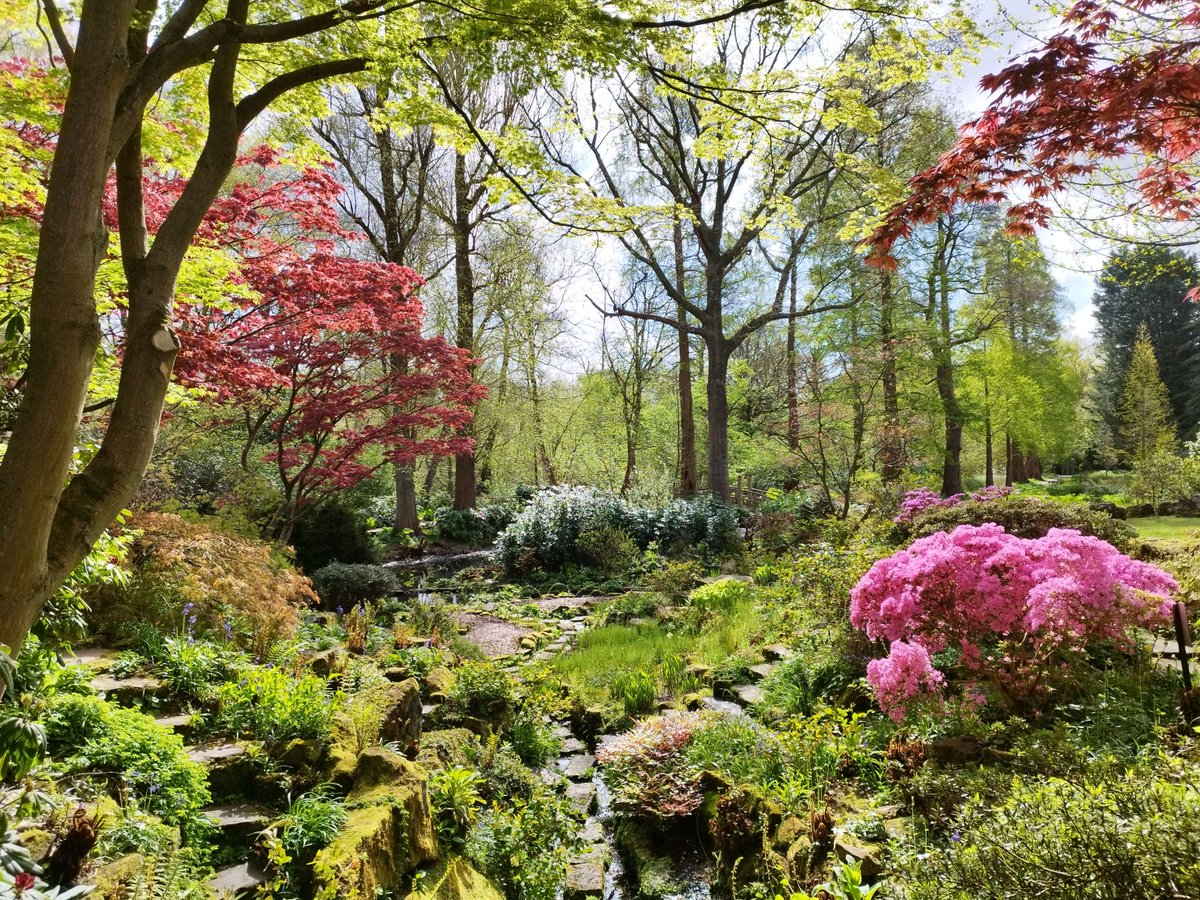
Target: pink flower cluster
[
  {"x": 921, "y": 499},
  {"x": 1012, "y": 607}
]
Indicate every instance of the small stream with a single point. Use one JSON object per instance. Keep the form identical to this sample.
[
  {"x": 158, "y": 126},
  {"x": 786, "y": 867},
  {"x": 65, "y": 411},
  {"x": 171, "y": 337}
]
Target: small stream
[{"x": 692, "y": 870}]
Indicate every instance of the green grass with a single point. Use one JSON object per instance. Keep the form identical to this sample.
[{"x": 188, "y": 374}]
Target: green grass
[
  {"x": 1166, "y": 528},
  {"x": 602, "y": 655}
]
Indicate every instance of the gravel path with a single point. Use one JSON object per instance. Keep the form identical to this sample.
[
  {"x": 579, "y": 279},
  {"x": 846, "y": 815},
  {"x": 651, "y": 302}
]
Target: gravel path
[{"x": 493, "y": 636}]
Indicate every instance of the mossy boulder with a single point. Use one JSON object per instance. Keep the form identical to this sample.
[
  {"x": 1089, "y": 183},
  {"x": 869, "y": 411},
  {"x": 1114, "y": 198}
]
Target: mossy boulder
[
  {"x": 447, "y": 747},
  {"x": 388, "y": 831},
  {"x": 455, "y": 879},
  {"x": 341, "y": 753},
  {"x": 648, "y": 859},
  {"x": 402, "y": 716},
  {"x": 112, "y": 880},
  {"x": 437, "y": 684}
]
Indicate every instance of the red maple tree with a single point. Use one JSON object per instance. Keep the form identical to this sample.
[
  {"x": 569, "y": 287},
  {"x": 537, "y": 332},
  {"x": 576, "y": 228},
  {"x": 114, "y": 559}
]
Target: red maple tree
[
  {"x": 1120, "y": 81},
  {"x": 321, "y": 355}
]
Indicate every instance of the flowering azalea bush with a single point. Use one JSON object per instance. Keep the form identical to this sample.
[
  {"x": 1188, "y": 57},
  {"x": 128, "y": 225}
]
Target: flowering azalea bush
[
  {"x": 922, "y": 499},
  {"x": 1015, "y": 612}
]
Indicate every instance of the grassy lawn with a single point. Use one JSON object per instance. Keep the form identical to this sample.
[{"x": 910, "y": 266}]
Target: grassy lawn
[{"x": 1166, "y": 528}]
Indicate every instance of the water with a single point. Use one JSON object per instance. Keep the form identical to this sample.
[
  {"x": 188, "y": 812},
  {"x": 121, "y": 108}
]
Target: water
[{"x": 693, "y": 871}]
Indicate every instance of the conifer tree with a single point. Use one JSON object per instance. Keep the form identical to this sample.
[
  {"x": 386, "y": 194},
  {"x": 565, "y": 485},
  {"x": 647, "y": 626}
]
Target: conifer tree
[{"x": 1145, "y": 411}]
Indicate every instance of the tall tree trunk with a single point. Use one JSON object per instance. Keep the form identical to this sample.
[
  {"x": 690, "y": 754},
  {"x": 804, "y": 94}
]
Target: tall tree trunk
[
  {"x": 406, "y": 488},
  {"x": 793, "y": 394},
  {"x": 989, "y": 461},
  {"x": 689, "y": 469},
  {"x": 891, "y": 451},
  {"x": 939, "y": 299},
  {"x": 464, "y": 463},
  {"x": 718, "y": 418},
  {"x": 64, "y": 331}
]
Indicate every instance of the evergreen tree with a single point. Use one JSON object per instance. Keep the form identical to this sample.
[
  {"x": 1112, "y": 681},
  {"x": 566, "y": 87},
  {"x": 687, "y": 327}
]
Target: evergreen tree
[
  {"x": 1145, "y": 410},
  {"x": 1148, "y": 286}
]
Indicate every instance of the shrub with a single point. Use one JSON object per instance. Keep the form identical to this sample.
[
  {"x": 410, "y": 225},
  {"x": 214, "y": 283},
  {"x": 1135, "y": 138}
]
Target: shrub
[
  {"x": 703, "y": 522},
  {"x": 482, "y": 691},
  {"x": 273, "y": 706},
  {"x": 524, "y": 847},
  {"x": 227, "y": 579},
  {"x": 191, "y": 667},
  {"x": 1131, "y": 835},
  {"x": 132, "y": 748},
  {"x": 347, "y": 584},
  {"x": 785, "y": 519},
  {"x": 646, "y": 771},
  {"x": 608, "y": 548},
  {"x": 312, "y": 821},
  {"x": 332, "y": 532},
  {"x": 546, "y": 533},
  {"x": 1026, "y": 517},
  {"x": 1019, "y": 613},
  {"x": 637, "y": 691},
  {"x": 472, "y": 526},
  {"x": 634, "y": 605}
]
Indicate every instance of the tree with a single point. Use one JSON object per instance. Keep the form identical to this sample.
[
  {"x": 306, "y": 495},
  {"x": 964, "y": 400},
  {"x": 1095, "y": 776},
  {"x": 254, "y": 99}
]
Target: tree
[
  {"x": 389, "y": 175},
  {"x": 1118, "y": 85},
  {"x": 127, "y": 53},
  {"x": 1145, "y": 411},
  {"x": 1147, "y": 287}
]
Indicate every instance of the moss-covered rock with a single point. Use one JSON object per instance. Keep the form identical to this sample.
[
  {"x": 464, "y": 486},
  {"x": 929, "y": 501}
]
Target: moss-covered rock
[
  {"x": 113, "y": 878},
  {"x": 446, "y": 748},
  {"x": 438, "y": 684},
  {"x": 341, "y": 753},
  {"x": 648, "y": 862},
  {"x": 388, "y": 831},
  {"x": 402, "y": 716},
  {"x": 455, "y": 879}
]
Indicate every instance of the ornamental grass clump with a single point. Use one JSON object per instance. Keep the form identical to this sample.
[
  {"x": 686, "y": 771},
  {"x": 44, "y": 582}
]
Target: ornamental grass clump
[{"x": 1015, "y": 615}]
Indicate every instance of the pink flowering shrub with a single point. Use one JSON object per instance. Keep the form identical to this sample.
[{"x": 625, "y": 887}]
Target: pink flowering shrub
[
  {"x": 916, "y": 502},
  {"x": 1018, "y": 612}
]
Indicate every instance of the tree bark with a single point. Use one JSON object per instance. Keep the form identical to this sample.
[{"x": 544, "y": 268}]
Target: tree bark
[
  {"x": 718, "y": 417},
  {"x": 689, "y": 469},
  {"x": 793, "y": 393},
  {"x": 891, "y": 452},
  {"x": 464, "y": 276}
]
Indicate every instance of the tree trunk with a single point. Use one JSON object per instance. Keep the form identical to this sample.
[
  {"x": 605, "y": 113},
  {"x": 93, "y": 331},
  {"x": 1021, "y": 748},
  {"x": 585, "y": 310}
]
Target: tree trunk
[
  {"x": 464, "y": 463},
  {"x": 718, "y": 419},
  {"x": 989, "y": 461},
  {"x": 689, "y": 469},
  {"x": 939, "y": 291},
  {"x": 793, "y": 394},
  {"x": 891, "y": 451}
]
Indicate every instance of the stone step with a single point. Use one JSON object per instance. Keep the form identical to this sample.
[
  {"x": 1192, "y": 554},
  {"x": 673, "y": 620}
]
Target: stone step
[
  {"x": 585, "y": 877},
  {"x": 571, "y": 745},
  {"x": 216, "y": 753},
  {"x": 238, "y": 821},
  {"x": 182, "y": 724},
  {"x": 128, "y": 691},
  {"x": 761, "y": 670},
  {"x": 1163, "y": 647},
  {"x": 777, "y": 653},
  {"x": 239, "y": 880},
  {"x": 593, "y": 832},
  {"x": 98, "y": 659},
  {"x": 583, "y": 795},
  {"x": 576, "y": 767},
  {"x": 748, "y": 694},
  {"x": 727, "y": 707}
]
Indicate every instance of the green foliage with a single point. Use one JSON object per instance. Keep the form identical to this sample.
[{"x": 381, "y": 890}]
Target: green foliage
[
  {"x": 636, "y": 691},
  {"x": 1026, "y": 517},
  {"x": 175, "y": 875},
  {"x": 146, "y": 760},
  {"x": 193, "y": 667},
  {"x": 333, "y": 532},
  {"x": 136, "y": 832},
  {"x": 719, "y": 598},
  {"x": 1127, "y": 834},
  {"x": 634, "y": 605},
  {"x": 343, "y": 585},
  {"x": 481, "y": 689},
  {"x": 846, "y": 884},
  {"x": 270, "y": 705},
  {"x": 523, "y": 847},
  {"x": 454, "y": 793},
  {"x": 475, "y": 527},
  {"x": 1145, "y": 409},
  {"x": 313, "y": 820},
  {"x": 531, "y": 738}
]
